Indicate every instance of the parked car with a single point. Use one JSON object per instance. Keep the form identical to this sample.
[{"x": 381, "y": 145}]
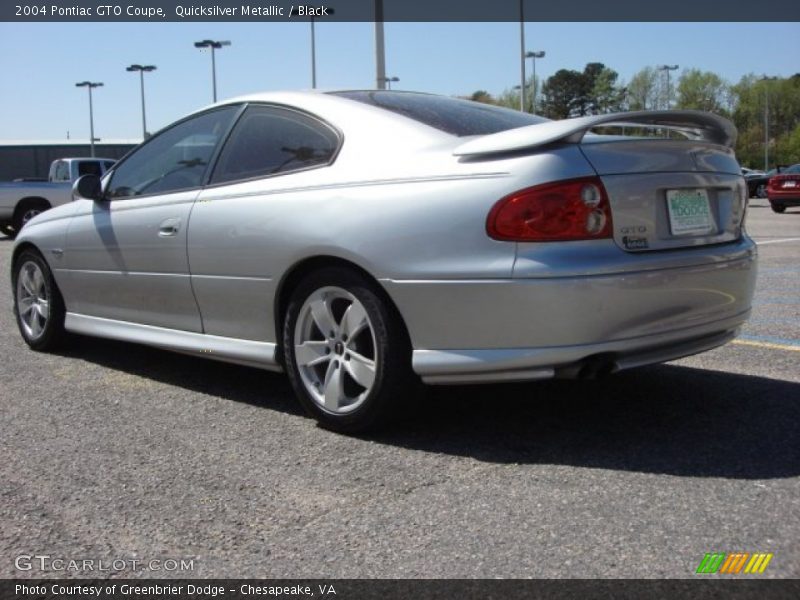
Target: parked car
[
  {"x": 751, "y": 172},
  {"x": 23, "y": 199},
  {"x": 784, "y": 189},
  {"x": 752, "y": 177},
  {"x": 757, "y": 184},
  {"x": 364, "y": 241}
]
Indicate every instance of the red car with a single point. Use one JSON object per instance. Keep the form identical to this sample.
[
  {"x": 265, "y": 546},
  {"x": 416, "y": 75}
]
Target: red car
[{"x": 784, "y": 189}]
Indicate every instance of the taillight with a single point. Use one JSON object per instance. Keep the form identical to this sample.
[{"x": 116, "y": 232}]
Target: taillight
[{"x": 575, "y": 209}]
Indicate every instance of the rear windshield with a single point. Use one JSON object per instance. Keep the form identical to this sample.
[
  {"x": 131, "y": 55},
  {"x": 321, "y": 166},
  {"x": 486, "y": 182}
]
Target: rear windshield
[{"x": 451, "y": 115}]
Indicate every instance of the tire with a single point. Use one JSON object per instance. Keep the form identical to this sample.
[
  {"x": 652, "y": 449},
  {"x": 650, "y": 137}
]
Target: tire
[
  {"x": 26, "y": 210},
  {"x": 778, "y": 208},
  {"x": 8, "y": 230},
  {"x": 38, "y": 305},
  {"x": 348, "y": 384},
  {"x": 761, "y": 190}
]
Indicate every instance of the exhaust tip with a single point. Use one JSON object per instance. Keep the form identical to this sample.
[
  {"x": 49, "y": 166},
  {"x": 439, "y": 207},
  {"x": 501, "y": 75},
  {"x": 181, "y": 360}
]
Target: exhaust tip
[{"x": 589, "y": 368}]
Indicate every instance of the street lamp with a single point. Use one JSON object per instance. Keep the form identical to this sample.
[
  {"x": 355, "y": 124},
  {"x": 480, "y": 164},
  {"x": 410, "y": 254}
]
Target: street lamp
[
  {"x": 296, "y": 12},
  {"x": 142, "y": 70},
  {"x": 214, "y": 45},
  {"x": 389, "y": 80},
  {"x": 90, "y": 85},
  {"x": 380, "y": 48},
  {"x": 521, "y": 57},
  {"x": 533, "y": 56},
  {"x": 766, "y": 120},
  {"x": 667, "y": 68}
]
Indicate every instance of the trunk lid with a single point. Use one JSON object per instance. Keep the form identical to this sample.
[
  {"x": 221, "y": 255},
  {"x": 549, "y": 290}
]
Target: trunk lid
[
  {"x": 664, "y": 193},
  {"x": 667, "y": 194},
  {"x": 784, "y": 182}
]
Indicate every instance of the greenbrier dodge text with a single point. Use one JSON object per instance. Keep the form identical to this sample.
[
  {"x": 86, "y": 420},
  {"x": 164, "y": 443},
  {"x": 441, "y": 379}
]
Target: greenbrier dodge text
[{"x": 207, "y": 590}]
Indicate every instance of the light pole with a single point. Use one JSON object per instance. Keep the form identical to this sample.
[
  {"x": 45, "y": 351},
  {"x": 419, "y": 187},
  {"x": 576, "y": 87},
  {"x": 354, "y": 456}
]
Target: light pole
[
  {"x": 766, "y": 120},
  {"x": 667, "y": 69},
  {"x": 296, "y": 12},
  {"x": 521, "y": 57},
  {"x": 533, "y": 55},
  {"x": 214, "y": 45},
  {"x": 380, "y": 49},
  {"x": 142, "y": 70},
  {"x": 389, "y": 80},
  {"x": 90, "y": 85}
]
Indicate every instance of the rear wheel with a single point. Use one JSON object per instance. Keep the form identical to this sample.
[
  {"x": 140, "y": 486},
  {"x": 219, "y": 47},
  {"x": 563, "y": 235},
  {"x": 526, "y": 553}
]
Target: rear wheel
[
  {"x": 26, "y": 211},
  {"x": 347, "y": 353},
  {"x": 778, "y": 208},
  {"x": 761, "y": 190},
  {"x": 38, "y": 305}
]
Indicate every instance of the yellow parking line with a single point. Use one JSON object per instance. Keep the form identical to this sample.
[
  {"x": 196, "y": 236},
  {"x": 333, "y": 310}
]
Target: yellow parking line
[{"x": 767, "y": 345}]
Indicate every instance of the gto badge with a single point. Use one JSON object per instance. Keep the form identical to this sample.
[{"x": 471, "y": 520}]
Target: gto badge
[
  {"x": 633, "y": 229},
  {"x": 635, "y": 243}
]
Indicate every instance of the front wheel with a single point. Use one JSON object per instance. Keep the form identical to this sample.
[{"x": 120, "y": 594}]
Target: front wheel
[
  {"x": 38, "y": 305},
  {"x": 761, "y": 190},
  {"x": 347, "y": 353},
  {"x": 778, "y": 208},
  {"x": 8, "y": 230}
]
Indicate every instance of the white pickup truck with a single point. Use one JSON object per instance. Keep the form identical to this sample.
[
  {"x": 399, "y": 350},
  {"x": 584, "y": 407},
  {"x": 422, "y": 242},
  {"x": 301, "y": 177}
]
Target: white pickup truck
[{"x": 20, "y": 201}]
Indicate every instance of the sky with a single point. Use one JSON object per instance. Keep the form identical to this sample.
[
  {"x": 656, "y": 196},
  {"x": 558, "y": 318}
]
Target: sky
[{"x": 41, "y": 62}]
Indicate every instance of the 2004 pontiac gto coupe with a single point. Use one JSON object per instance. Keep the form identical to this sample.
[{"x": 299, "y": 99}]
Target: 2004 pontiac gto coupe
[{"x": 364, "y": 240}]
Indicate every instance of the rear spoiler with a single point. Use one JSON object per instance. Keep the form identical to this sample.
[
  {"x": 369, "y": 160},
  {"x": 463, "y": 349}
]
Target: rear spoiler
[{"x": 695, "y": 124}]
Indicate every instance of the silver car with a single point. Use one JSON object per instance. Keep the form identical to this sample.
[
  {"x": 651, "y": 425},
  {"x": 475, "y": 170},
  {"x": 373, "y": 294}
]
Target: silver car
[{"x": 364, "y": 241}]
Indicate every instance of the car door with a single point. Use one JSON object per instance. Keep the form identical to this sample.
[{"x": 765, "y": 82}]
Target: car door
[
  {"x": 126, "y": 254},
  {"x": 237, "y": 237}
]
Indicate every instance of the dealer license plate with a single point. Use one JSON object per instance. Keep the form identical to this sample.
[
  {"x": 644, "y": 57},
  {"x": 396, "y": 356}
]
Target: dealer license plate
[
  {"x": 689, "y": 212},
  {"x": 791, "y": 183}
]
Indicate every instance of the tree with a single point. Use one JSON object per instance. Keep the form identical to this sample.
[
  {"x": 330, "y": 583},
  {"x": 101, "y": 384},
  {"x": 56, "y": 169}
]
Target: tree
[
  {"x": 482, "y": 96},
  {"x": 508, "y": 98},
  {"x": 643, "y": 90},
  {"x": 562, "y": 94},
  {"x": 703, "y": 90},
  {"x": 606, "y": 96},
  {"x": 571, "y": 93},
  {"x": 751, "y": 96}
]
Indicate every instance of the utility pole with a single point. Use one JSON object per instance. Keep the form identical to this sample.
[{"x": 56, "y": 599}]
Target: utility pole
[
  {"x": 521, "y": 57},
  {"x": 380, "y": 51},
  {"x": 90, "y": 85},
  {"x": 142, "y": 69},
  {"x": 667, "y": 69},
  {"x": 765, "y": 79}
]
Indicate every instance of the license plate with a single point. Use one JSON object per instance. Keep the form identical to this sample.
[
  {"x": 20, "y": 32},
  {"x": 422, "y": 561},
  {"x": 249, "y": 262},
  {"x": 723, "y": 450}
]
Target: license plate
[
  {"x": 689, "y": 211},
  {"x": 789, "y": 183}
]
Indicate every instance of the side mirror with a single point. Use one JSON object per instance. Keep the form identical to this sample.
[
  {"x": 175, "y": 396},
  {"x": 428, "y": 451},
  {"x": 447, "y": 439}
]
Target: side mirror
[{"x": 87, "y": 187}]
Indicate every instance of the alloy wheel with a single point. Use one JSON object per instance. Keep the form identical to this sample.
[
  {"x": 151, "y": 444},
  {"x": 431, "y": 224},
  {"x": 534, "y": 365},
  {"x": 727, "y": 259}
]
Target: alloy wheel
[
  {"x": 335, "y": 350},
  {"x": 33, "y": 301}
]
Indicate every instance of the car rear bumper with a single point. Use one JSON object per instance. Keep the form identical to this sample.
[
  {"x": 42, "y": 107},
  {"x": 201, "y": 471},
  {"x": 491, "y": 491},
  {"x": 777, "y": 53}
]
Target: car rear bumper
[
  {"x": 582, "y": 361},
  {"x": 785, "y": 198},
  {"x": 518, "y": 329}
]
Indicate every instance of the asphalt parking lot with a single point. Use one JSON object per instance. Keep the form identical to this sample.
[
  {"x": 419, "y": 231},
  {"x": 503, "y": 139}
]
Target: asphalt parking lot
[{"x": 116, "y": 451}]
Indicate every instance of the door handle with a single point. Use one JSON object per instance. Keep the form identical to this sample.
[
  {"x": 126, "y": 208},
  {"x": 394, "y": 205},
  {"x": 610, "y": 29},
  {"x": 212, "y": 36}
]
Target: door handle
[{"x": 169, "y": 227}]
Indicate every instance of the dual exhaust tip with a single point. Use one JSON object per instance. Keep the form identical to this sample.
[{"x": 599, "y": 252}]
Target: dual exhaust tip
[{"x": 592, "y": 367}]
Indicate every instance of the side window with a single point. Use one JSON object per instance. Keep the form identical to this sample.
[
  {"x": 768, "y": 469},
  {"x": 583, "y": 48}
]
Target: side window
[
  {"x": 174, "y": 160},
  {"x": 269, "y": 140},
  {"x": 107, "y": 164},
  {"x": 61, "y": 172},
  {"x": 86, "y": 167}
]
